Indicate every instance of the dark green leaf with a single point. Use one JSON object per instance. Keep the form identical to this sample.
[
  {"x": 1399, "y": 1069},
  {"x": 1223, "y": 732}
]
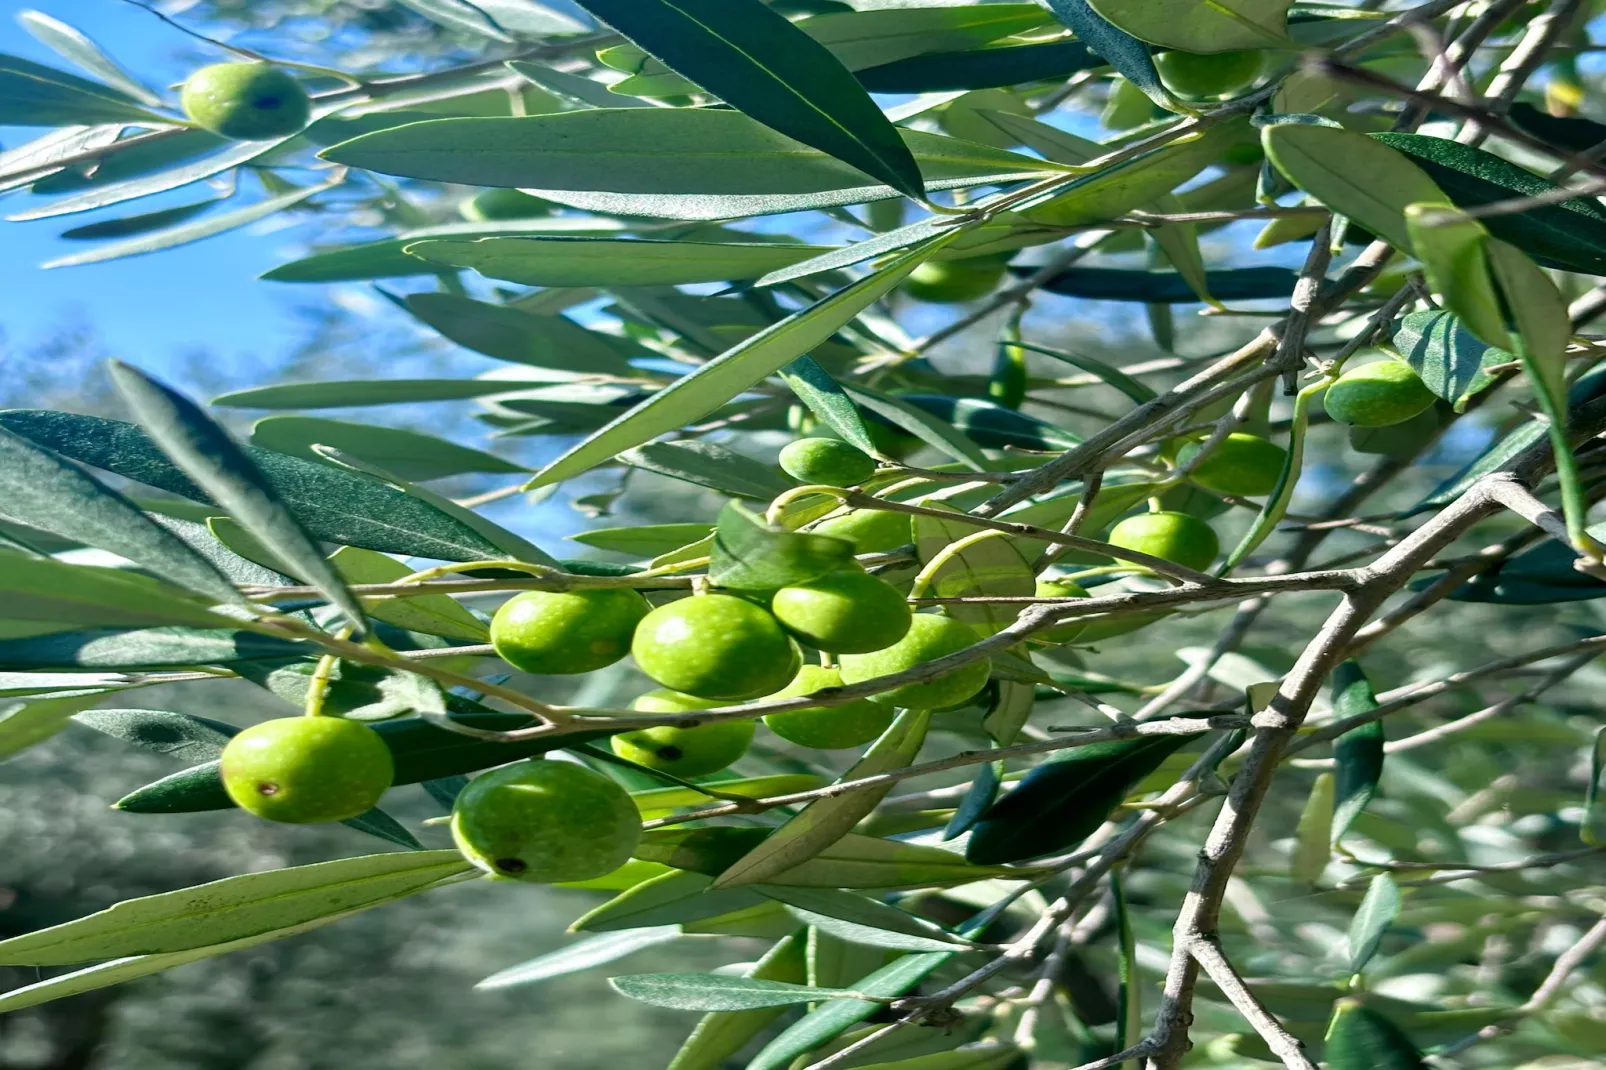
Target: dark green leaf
[
  {"x": 1060, "y": 803},
  {"x": 1572, "y": 132},
  {"x": 176, "y": 735},
  {"x": 44, "y": 491},
  {"x": 925, "y": 421},
  {"x": 205, "y": 453},
  {"x": 982, "y": 68},
  {"x": 409, "y": 454},
  {"x": 143, "y": 223},
  {"x": 708, "y": 464},
  {"x": 32, "y": 94},
  {"x": 672, "y": 898},
  {"x": 715, "y": 992},
  {"x": 49, "y": 591},
  {"x": 860, "y": 920},
  {"x": 991, "y": 425},
  {"x": 379, "y": 824},
  {"x": 511, "y": 334},
  {"x": 833, "y": 1017},
  {"x": 384, "y": 259},
  {"x": 681, "y": 163},
  {"x": 979, "y": 798},
  {"x": 1168, "y": 287},
  {"x": 1359, "y": 1038},
  {"x": 825, "y": 398},
  {"x": 751, "y": 555},
  {"x": 1570, "y": 236},
  {"x": 1124, "y": 52},
  {"x": 1358, "y": 752},
  {"x": 1113, "y": 376},
  {"x": 421, "y": 752},
  {"x": 334, "y": 506},
  {"x": 1592, "y": 829},
  {"x": 760, "y": 64}
]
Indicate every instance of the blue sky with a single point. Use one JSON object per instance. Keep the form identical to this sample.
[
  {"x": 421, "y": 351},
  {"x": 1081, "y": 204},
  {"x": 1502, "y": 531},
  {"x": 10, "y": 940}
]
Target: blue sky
[{"x": 204, "y": 295}]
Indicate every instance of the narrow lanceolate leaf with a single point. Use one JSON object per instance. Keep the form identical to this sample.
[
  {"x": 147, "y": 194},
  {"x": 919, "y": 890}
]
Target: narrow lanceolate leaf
[
  {"x": 72, "y": 44},
  {"x": 1202, "y": 25},
  {"x": 938, "y": 430},
  {"x": 581, "y": 955},
  {"x": 196, "y": 230},
  {"x": 832, "y": 1018},
  {"x": 1354, "y": 175},
  {"x": 32, "y": 94},
  {"x": 513, "y": 334},
  {"x": 678, "y": 163},
  {"x": 45, "y": 491},
  {"x": 750, "y": 555},
  {"x": 720, "y": 1035},
  {"x": 206, "y": 454},
  {"x": 432, "y": 614},
  {"x": 1359, "y": 1038},
  {"x": 749, "y": 362},
  {"x": 234, "y": 908},
  {"x": 1593, "y": 827},
  {"x": 715, "y": 992},
  {"x": 409, "y": 454},
  {"x": 671, "y": 898},
  {"x": 612, "y": 261},
  {"x": 1452, "y": 247},
  {"x": 1539, "y": 314},
  {"x": 333, "y": 505},
  {"x": 1373, "y": 918},
  {"x": 824, "y": 821},
  {"x": 760, "y": 64},
  {"x": 54, "y": 592},
  {"x": 867, "y": 936},
  {"x": 1060, "y": 803},
  {"x": 759, "y": 787},
  {"x": 825, "y": 398},
  {"x": 34, "y": 720},
  {"x": 852, "y": 917},
  {"x": 1358, "y": 752},
  {"x": 1119, "y": 48},
  {"x": 711, "y": 465},
  {"x": 1314, "y": 834}
]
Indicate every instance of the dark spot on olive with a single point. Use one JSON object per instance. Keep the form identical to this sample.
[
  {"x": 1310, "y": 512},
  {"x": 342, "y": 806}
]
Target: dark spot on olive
[
  {"x": 671, "y": 754},
  {"x": 267, "y": 787},
  {"x": 512, "y": 865},
  {"x": 268, "y": 102}
]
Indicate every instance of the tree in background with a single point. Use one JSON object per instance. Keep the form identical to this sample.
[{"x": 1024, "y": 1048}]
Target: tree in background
[{"x": 985, "y": 821}]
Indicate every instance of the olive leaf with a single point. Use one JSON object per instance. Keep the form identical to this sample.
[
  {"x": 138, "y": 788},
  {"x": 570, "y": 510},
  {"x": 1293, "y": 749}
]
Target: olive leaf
[{"x": 749, "y": 554}]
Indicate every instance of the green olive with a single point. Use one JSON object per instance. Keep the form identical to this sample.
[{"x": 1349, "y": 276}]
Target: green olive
[
  {"x": 1245, "y": 466},
  {"x": 827, "y": 461},
  {"x": 1209, "y": 74},
  {"x": 559, "y": 633},
  {"x": 950, "y": 282},
  {"x": 930, "y": 636},
  {"x": 1378, "y": 395},
  {"x": 685, "y": 752},
  {"x": 715, "y": 646},
  {"x": 246, "y": 101},
  {"x": 871, "y": 531},
  {"x": 545, "y": 821},
  {"x": 851, "y": 724},
  {"x": 1061, "y": 633},
  {"x": 303, "y": 770},
  {"x": 1176, "y": 537},
  {"x": 844, "y": 612}
]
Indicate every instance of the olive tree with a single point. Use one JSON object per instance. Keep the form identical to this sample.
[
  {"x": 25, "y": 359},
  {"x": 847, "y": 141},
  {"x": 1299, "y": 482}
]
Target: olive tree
[{"x": 803, "y": 282}]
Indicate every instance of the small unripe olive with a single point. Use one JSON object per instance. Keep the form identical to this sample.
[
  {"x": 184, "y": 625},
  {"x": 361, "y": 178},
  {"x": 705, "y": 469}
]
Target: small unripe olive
[
  {"x": 852, "y": 724},
  {"x": 559, "y": 633},
  {"x": 948, "y": 282},
  {"x": 545, "y": 821},
  {"x": 843, "y": 612},
  {"x": 1246, "y": 466},
  {"x": 304, "y": 770},
  {"x": 1177, "y": 537},
  {"x": 1377, "y": 395},
  {"x": 826, "y": 461},
  {"x": 715, "y": 646},
  {"x": 871, "y": 531},
  {"x": 1213, "y": 74},
  {"x": 685, "y": 752},
  {"x": 246, "y": 101},
  {"x": 496, "y": 204},
  {"x": 1061, "y": 633},
  {"x": 930, "y": 636}
]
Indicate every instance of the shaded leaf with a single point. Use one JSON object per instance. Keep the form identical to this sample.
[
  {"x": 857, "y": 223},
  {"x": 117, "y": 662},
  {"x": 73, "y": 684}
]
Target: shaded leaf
[
  {"x": 143, "y": 223},
  {"x": 982, "y": 68},
  {"x": 979, "y": 797},
  {"x": 1376, "y": 913},
  {"x": 1169, "y": 287},
  {"x": 861, "y": 920},
  {"x": 410, "y": 454},
  {"x": 1314, "y": 834},
  {"x": 338, "y": 394},
  {"x": 918, "y": 420},
  {"x": 1215, "y": 26},
  {"x": 1124, "y": 52},
  {"x": 1061, "y": 802},
  {"x": 826, "y": 398},
  {"x": 433, "y": 614},
  {"x": 611, "y": 261},
  {"x": 708, "y": 464},
  {"x": 666, "y": 899},
  {"x": 1359, "y": 1038},
  {"x": 1448, "y": 357},
  {"x": 22, "y": 724},
  {"x": 1358, "y": 752},
  {"x": 512, "y": 334}
]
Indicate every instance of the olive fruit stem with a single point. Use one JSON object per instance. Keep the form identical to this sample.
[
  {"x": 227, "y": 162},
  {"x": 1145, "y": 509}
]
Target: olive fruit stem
[
  {"x": 927, "y": 574},
  {"x": 318, "y": 686}
]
